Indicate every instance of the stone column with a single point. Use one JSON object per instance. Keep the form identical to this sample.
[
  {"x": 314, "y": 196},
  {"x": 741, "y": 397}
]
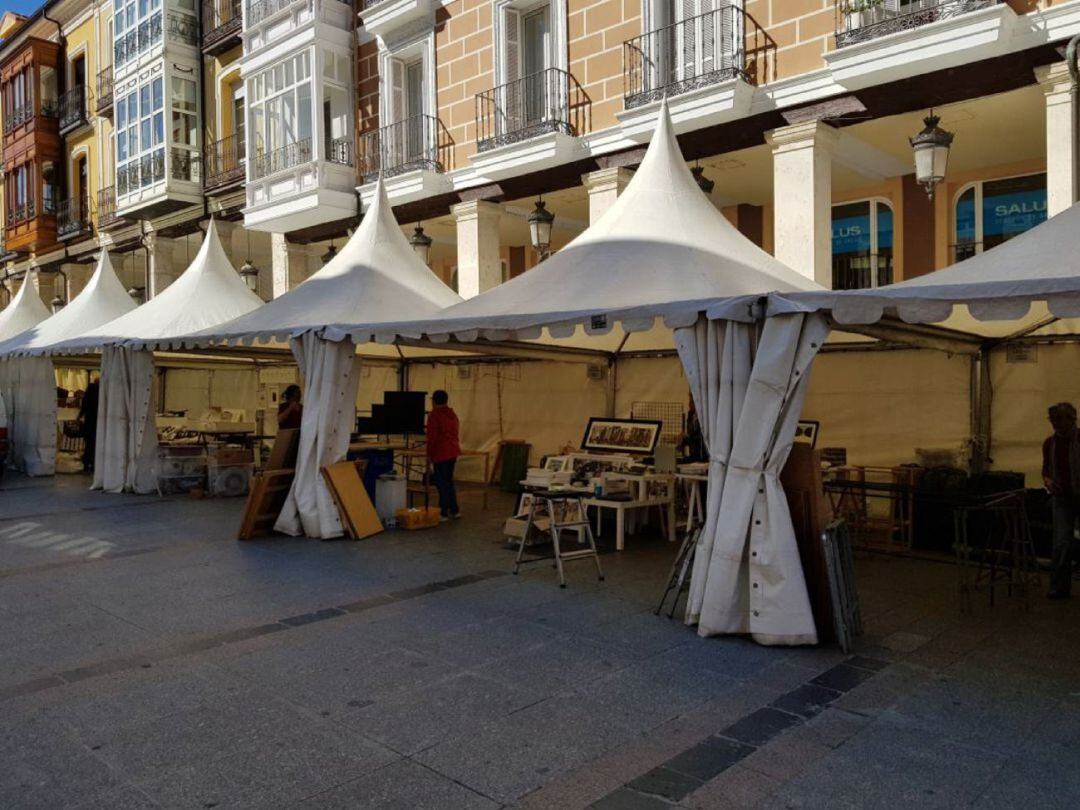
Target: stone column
[
  {"x": 604, "y": 187},
  {"x": 1061, "y": 136},
  {"x": 279, "y": 261},
  {"x": 479, "y": 262},
  {"x": 802, "y": 198}
]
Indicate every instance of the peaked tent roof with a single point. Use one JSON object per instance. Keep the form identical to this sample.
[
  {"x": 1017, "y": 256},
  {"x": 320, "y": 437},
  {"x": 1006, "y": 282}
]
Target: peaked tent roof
[
  {"x": 101, "y": 300},
  {"x": 25, "y": 311},
  {"x": 209, "y": 292},
  {"x": 1030, "y": 278},
  {"x": 376, "y": 277},
  {"x": 662, "y": 249}
]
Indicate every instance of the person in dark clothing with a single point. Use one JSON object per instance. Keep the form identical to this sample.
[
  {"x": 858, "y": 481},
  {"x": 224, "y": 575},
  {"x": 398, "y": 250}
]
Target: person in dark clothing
[
  {"x": 692, "y": 441},
  {"x": 1061, "y": 476},
  {"x": 443, "y": 448},
  {"x": 88, "y": 414},
  {"x": 290, "y": 410}
]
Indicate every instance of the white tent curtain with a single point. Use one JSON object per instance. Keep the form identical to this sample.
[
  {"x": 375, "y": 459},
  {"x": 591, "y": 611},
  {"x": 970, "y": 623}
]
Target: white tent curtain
[
  {"x": 7, "y": 399},
  {"x": 717, "y": 357},
  {"x": 34, "y": 438},
  {"x": 329, "y": 371},
  {"x": 747, "y": 576},
  {"x": 127, "y": 431}
]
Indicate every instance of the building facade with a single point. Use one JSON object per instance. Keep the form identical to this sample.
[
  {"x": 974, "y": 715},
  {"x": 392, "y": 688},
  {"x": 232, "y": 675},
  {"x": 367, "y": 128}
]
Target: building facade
[{"x": 127, "y": 123}]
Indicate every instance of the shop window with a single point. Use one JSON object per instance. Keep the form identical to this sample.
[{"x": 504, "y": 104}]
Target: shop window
[
  {"x": 862, "y": 245},
  {"x": 991, "y": 212}
]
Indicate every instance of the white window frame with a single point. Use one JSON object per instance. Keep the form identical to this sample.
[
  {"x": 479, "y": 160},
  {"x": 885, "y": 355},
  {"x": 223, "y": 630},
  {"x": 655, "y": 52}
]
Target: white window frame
[
  {"x": 874, "y": 203},
  {"x": 558, "y": 55},
  {"x": 257, "y": 97},
  {"x": 136, "y": 122},
  {"x": 978, "y": 186},
  {"x": 421, "y": 47}
]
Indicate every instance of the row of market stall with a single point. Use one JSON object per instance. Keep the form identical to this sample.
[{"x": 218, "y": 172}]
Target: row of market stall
[{"x": 662, "y": 272}]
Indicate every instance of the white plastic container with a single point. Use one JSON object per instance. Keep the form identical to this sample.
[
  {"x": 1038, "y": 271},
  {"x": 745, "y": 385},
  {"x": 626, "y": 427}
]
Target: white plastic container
[{"x": 390, "y": 496}]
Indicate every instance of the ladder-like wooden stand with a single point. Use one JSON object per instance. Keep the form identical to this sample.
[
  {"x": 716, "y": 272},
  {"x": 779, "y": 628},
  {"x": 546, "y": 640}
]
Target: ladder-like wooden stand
[{"x": 564, "y": 510}]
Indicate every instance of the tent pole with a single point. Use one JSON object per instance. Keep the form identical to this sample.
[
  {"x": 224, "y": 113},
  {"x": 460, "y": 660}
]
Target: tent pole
[
  {"x": 611, "y": 386},
  {"x": 981, "y": 394}
]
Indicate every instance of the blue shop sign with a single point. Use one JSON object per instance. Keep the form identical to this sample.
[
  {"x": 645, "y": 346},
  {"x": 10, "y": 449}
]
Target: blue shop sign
[
  {"x": 1011, "y": 214},
  {"x": 852, "y": 234}
]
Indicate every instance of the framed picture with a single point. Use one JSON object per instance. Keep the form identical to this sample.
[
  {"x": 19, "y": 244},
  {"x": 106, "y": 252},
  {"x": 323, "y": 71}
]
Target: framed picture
[
  {"x": 556, "y": 463},
  {"x": 524, "y": 504},
  {"x": 637, "y": 436},
  {"x": 806, "y": 432},
  {"x": 657, "y": 488}
]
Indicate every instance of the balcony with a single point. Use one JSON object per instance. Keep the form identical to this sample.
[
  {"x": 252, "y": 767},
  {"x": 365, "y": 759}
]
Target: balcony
[
  {"x": 224, "y": 163},
  {"x": 548, "y": 102},
  {"x": 286, "y": 157},
  {"x": 73, "y": 110},
  {"x": 879, "y": 42},
  {"x": 182, "y": 29},
  {"x": 106, "y": 208},
  {"x": 263, "y": 9},
  {"x": 862, "y": 20},
  {"x": 105, "y": 91},
  {"x": 221, "y": 23},
  {"x": 138, "y": 41},
  {"x": 31, "y": 227},
  {"x": 25, "y": 114},
  {"x": 406, "y": 146},
  {"x": 73, "y": 220}
]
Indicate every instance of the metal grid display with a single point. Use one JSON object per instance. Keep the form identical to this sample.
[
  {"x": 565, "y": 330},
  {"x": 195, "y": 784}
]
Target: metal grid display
[{"x": 669, "y": 414}]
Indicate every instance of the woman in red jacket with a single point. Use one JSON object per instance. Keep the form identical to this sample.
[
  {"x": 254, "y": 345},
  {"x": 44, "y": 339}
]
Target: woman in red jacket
[{"x": 443, "y": 448}]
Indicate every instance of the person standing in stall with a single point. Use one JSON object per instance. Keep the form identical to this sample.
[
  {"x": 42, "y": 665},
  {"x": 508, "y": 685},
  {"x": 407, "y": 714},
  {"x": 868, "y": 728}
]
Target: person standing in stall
[
  {"x": 290, "y": 410},
  {"x": 1061, "y": 477},
  {"x": 88, "y": 414},
  {"x": 443, "y": 449}
]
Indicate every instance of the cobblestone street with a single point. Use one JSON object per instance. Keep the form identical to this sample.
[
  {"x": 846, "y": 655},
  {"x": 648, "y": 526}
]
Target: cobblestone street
[{"x": 151, "y": 660}]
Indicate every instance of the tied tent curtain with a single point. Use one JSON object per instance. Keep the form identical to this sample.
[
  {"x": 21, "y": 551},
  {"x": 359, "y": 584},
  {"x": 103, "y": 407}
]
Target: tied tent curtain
[
  {"x": 127, "y": 428},
  {"x": 747, "y": 576},
  {"x": 34, "y": 437},
  {"x": 330, "y": 377},
  {"x": 7, "y": 401}
]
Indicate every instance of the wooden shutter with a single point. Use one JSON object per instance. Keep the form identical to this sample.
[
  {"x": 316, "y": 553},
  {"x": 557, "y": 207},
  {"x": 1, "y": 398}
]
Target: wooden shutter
[{"x": 511, "y": 111}]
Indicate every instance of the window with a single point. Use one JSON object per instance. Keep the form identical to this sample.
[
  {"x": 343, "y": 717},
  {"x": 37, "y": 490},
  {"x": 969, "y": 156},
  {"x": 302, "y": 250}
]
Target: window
[
  {"x": 281, "y": 111},
  {"x": 137, "y": 27},
  {"x": 862, "y": 245},
  {"x": 991, "y": 212},
  {"x": 140, "y": 137}
]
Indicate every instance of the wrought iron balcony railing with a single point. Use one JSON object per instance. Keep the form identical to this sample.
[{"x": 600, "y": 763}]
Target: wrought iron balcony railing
[
  {"x": 185, "y": 165},
  {"x": 140, "y": 172},
  {"x": 714, "y": 47},
  {"x": 21, "y": 213},
  {"x": 259, "y": 11},
  {"x": 862, "y": 271},
  {"x": 340, "y": 151},
  {"x": 224, "y": 163},
  {"x": 221, "y": 21},
  {"x": 73, "y": 109},
  {"x": 104, "y": 90},
  {"x": 402, "y": 147},
  {"x": 106, "y": 209},
  {"x": 182, "y": 28},
  {"x": 73, "y": 219},
  {"x": 287, "y": 157},
  {"x": 548, "y": 101},
  {"x": 20, "y": 114},
  {"x": 138, "y": 40},
  {"x": 864, "y": 20}
]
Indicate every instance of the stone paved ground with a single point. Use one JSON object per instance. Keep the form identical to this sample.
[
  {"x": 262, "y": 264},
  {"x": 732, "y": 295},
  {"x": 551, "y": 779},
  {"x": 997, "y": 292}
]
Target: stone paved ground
[{"x": 147, "y": 659}]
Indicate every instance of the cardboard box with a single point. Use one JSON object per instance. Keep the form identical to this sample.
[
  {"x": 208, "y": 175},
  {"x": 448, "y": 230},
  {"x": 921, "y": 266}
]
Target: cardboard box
[{"x": 418, "y": 518}]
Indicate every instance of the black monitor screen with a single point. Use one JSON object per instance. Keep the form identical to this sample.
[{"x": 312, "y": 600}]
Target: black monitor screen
[{"x": 404, "y": 411}]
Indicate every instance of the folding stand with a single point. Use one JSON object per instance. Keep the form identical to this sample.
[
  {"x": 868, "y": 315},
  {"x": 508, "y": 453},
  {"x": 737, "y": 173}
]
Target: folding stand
[
  {"x": 680, "y": 568},
  {"x": 565, "y": 510}
]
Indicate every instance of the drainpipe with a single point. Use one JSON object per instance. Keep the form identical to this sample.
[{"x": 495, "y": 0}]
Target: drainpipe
[{"x": 1074, "y": 74}]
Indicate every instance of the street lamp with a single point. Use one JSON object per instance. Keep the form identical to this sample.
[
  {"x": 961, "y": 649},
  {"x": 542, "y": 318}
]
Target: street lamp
[
  {"x": 704, "y": 183},
  {"x": 57, "y": 304},
  {"x": 330, "y": 254},
  {"x": 931, "y": 147},
  {"x": 421, "y": 243},
  {"x": 250, "y": 274},
  {"x": 138, "y": 294},
  {"x": 540, "y": 228}
]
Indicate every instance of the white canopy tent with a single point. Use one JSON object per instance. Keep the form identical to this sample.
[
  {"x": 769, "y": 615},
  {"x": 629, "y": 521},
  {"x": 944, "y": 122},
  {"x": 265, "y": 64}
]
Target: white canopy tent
[
  {"x": 101, "y": 300},
  {"x": 664, "y": 251},
  {"x": 376, "y": 277},
  {"x": 25, "y": 311},
  {"x": 209, "y": 292}
]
